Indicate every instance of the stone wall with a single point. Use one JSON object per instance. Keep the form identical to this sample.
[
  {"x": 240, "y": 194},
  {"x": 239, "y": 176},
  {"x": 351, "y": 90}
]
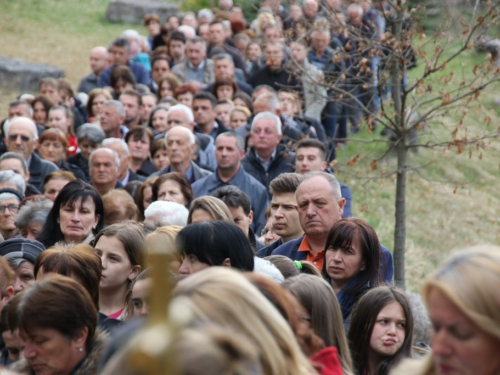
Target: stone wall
[
  {"x": 133, "y": 11},
  {"x": 22, "y": 75}
]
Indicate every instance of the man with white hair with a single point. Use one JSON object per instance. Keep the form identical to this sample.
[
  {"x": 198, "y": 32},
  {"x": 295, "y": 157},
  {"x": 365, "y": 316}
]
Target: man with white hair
[
  {"x": 136, "y": 55},
  {"x": 196, "y": 67},
  {"x": 22, "y": 138},
  {"x": 16, "y": 163},
  {"x": 181, "y": 146},
  {"x": 161, "y": 214},
  {"x": 267, "y": 158},
  {"x": 125, "y": 174},
  {"x": 97, "y": 64},
  {"x": 182, "y": 115},
  {"x": 111, "y": 118},
  {"x": 11, "y": 180},
  {"x": 104, "y": 165}
]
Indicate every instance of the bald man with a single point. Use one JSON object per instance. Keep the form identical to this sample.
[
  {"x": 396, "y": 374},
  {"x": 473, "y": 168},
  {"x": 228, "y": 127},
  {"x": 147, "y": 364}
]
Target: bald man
[{"x": 98, "y": 63}]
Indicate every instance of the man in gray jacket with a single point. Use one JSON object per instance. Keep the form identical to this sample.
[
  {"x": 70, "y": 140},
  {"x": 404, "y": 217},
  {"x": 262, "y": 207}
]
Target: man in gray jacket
[{"x": 196, "y": 67}]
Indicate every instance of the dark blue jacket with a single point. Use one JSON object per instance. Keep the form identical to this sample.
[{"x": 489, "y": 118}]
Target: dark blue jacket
[
  {"x": 290, "y": 250},
  {"x": 283, "y": 162},
  {"x": 140, "y": 73},
  {"x": 268, "y": 250},
  {"x": 40, "y": 168},
  {"x": 243, "y": 181}
]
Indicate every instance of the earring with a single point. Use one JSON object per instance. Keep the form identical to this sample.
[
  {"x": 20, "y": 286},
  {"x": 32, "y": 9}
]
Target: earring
[{"x": 80, "y": 350}]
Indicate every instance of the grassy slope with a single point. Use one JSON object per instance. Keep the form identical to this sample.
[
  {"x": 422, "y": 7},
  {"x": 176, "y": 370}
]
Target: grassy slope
[{"x": 61, "y": 32}]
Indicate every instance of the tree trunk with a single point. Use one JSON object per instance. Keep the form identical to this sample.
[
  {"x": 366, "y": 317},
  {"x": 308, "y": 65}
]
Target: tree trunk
[{"x": 397, "y": 72}]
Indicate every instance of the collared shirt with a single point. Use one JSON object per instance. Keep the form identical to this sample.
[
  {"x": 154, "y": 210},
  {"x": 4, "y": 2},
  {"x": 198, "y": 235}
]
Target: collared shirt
[
  {"x": 189, "y": 173},
  {"x": 199, "y": 67},
  {"x": 318, "y": 260},
  {"x": 263, "y": 163},
  {"x": 320, "y": 62},
  {"x": 125, "y": 180}
]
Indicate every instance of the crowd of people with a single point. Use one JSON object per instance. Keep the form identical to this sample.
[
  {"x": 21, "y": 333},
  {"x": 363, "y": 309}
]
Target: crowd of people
[{"x": 210, "y": 140}]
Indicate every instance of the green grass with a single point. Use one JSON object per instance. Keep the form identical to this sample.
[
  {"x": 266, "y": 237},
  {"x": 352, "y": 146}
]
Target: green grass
[{"x": 439, "y": 219}]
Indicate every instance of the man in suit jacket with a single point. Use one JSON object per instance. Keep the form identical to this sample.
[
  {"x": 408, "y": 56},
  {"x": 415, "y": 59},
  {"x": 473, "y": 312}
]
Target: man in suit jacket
[
  {"x": 21, "y": 138},
  {"x": 181, "y": 146},
  {"x": 125, "y": 174}
]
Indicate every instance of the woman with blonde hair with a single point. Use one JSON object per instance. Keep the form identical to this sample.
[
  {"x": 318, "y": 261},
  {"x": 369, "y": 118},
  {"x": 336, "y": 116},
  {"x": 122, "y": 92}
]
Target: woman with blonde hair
[
  {"x": 226, "y": 298},
  {"x": 323, "y": 309},
  {"x": 208, "y": 208},
  {"x": 463, "y": 301}
]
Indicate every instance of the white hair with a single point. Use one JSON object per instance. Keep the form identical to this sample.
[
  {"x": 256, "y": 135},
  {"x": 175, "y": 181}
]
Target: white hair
[
  {"x": 192, "y": 141},
  {"x": 6, "y": 196},
  {"x": 119, "y": 108},
  {"x": 9, "y": 175},
  {"x": 171, "y": 213},
  {"x": 185, "y": 109},
  {"x": 357, "y": 7},
  {"x": 131, "y": 34},
  {"x": 266, "y": 268},
  {"x": 187, "y": 29},
  {"x": 270, "y": 116},
  {"x": 15, "y": 120},
  {"x": 330, "y": 178},
  {"x": 206, "y": 13},
  {"x": 115, "y": 154},
  {"x": 109, "y": 141}
]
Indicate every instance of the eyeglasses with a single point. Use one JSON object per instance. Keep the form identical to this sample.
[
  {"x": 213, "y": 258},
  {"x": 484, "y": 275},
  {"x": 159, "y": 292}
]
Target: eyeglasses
[
  {"x": 12, "y": 208},
  {"x": 305, "y": 319},
  {"x": 24, "y": 138}
]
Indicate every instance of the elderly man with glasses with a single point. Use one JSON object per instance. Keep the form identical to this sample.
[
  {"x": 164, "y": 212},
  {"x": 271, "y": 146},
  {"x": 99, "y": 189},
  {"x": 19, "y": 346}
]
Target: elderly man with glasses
[
  {"x": 10, "y": 199},
  {"x": 22, "y": 138}
]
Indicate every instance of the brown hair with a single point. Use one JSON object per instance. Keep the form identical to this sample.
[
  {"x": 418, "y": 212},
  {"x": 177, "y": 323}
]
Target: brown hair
[
  {"x": 118, "y": 206},
  {"x": 137, "y": 132},
  {"x": 121, "y": 72},
  {"x": 214, "y": 206},
  {"x": 224, "y": 81},
  {"x": 285, "y": 183},
  {"x": 79, "y": 262},
  {"x": 58, "y": 303},
  {"x": 181, "y": 179},
  {"x": 47, "y": 104},
  {"x": 58, "y": 175},
  {"x": 92, "y": 95},
  {"x": 313, "y": 143},
  {"x": 285, "y": 265},
  {"x": 140, "y": 194},
  {"x": 54, "y": 134},
  {"x": 172, "y": 80},
  {"x": 150, "y": 17},
  {"x": 7, "y": 276},
  {"x": 185, "y": 88}
]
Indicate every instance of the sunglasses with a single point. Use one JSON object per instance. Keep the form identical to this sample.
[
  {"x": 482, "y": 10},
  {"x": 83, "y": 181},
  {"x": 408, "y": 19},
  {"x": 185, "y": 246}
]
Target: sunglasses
[{"x": 24, "y": 138}]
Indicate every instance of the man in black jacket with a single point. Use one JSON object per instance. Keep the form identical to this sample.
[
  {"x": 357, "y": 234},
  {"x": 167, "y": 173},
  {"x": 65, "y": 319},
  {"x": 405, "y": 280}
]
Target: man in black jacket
[
  {"x": 21, "y": 137},
  {"x": 267, "y": 158}
]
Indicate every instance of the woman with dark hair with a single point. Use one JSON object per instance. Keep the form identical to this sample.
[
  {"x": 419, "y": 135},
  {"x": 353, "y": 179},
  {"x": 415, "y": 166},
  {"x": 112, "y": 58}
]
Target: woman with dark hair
[
  {"x": 96, "y": 99},
  {"x": 242, "y": 99},
  {"x": 121, "y": 247},
  {"x": 224, "y": 88},
  {"x": 167, "y": 86},
  {"x": 324, "y": 314},
  {"x": 77, "y": 215},
  {"x": 173, "y": 187},
  {"x": 145, "y": 196},
  {"x": 139, "y": 140},
  {"x": 213, "y": 243},
  {"x": 351, "y": 262},
  {"x": 159, "y": 154},
  {"x": 58, "y": 320},
  {"x": 61, "y": 117},
  {"x": 381, "y": 331},
  {"x": 41, "y": 106},
  {"x": 121, "y": 79}
]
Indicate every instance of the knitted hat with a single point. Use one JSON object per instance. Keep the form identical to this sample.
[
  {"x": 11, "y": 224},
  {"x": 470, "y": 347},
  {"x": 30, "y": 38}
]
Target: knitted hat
[
  {"x": 12, "y": 191},
  {"x": 21, "y": 248}
]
